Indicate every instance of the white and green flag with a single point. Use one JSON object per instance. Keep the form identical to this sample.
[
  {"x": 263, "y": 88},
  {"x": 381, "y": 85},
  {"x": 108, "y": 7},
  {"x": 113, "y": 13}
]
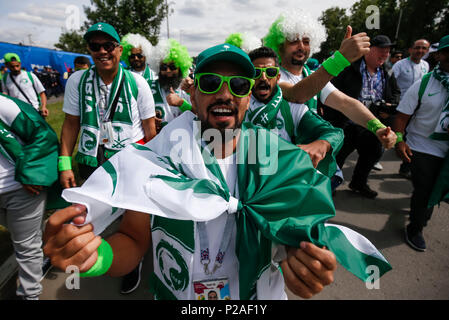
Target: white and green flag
[{"x": 281, "y": 195}]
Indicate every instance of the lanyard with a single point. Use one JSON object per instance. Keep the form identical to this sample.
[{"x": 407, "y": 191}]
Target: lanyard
[{"x": 204, "y": 244}]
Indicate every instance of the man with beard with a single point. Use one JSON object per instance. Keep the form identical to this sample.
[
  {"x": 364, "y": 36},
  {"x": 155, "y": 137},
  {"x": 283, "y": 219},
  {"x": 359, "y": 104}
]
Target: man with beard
[
  {"x": 178, "y": 250},
  {"x": 172, "y": 62},
  {"x": 294, "y": 36},
  {"x": 291, "y": 121},
  {"x": 24, "y": 85},
  {"x": 407, "y": 72},
  {"x": 136, "y": 53}
]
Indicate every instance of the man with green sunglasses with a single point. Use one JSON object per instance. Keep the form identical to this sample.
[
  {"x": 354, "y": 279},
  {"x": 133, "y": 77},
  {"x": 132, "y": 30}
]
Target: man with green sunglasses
[
  {"x": 291, "y": 121},
  {"x": 221, "y": 96}
]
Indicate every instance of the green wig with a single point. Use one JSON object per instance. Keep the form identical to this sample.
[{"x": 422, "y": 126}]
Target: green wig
[
  {"x": 293, "y": 25},
  {"x": 171, "y": 51},
  {"x": 245, "y": 41}
]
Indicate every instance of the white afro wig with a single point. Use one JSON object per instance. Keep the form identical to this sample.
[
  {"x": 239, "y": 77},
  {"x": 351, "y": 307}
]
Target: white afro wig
[
  {"x": 293, "y": 25},
  {"x": 245, "y": 41},
  {"x": 132, "y": 40}
]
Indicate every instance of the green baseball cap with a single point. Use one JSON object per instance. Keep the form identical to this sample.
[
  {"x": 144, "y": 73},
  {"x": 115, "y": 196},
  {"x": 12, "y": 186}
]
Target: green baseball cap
[
  {"x": 102, "y": 27},
  {"x": 9, "y": 56},
  {"x": 225, "y": 52},
  {"x": 444, "y": 43}
]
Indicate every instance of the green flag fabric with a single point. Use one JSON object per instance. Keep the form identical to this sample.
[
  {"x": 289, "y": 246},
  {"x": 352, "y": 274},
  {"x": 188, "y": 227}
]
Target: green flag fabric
[{"x": 282, "y": 198}]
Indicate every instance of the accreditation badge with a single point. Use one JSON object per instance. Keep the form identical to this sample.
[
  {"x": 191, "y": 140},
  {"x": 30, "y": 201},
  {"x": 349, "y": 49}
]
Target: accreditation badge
[
  {"x": 106, "y": 132},
  {"x": 212, "y": 289}
]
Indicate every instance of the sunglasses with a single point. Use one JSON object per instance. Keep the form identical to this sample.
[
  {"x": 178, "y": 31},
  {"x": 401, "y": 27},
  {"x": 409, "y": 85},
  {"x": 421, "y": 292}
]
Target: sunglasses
[
  {"x": 165, "y": 67},
  {"x": 270, "y": 72},
  {"x": 136, "y": 55},
  {"x": 210, "y": 83},
  {"x": 109, "y": 46}
]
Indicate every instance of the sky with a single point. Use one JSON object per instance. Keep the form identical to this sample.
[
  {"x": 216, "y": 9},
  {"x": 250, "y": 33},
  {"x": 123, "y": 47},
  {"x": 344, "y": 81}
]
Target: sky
[{"x": 197, "y": 24}]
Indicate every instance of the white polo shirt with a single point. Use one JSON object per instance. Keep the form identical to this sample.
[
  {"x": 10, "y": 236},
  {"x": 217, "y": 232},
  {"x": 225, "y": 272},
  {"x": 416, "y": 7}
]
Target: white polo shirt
[
  {"x": 423, "y": 123},
  {"x": 407, "y": 73}
]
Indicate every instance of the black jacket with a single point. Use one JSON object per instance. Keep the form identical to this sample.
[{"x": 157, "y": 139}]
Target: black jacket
[{"x": 349, "y": 81}]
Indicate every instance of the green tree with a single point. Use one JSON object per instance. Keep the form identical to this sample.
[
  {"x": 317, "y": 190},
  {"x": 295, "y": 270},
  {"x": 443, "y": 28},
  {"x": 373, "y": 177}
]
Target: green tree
[
  {"x": 416, "y": 19},
  {"x": 335, "y": 21},
  {"x": 72, "y": 42},
  {"x": 127, "y": 16}
]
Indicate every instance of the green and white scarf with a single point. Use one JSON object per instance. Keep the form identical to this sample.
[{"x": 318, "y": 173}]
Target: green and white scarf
[
  {"x": 179, "y": 179},
  {"x": 266, "y": 116},
  {"x": 89, "y": 88},
  {"x": 440, "y": 132}
]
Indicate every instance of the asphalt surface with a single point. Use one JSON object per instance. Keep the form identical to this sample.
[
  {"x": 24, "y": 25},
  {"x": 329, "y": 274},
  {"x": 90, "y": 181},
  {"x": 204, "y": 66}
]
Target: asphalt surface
[{"x": 415, "y": 275}]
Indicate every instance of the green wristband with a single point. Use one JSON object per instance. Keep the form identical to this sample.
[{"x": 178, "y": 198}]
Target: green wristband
[
  {"x": 103, "y": 263},
  {"x": 335, "y": 64},
  {"x": 374, "y": 124},
  {"x": 64, "y": 163},
  {"x": 400, "y": 137},
  {"x": 185, "y": 106}
]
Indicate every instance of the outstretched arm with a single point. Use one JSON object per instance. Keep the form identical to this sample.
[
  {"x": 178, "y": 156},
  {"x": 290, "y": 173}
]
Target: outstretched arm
[
  {"x": 352, "y": 48},
  {"x": 357, "y": 112}
]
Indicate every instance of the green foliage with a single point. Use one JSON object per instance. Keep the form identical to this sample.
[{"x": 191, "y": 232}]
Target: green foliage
[
  {"x": 428, "y": 19},
  {"x": 72, "y": 42},
  {"x": 126, "y": 16}
]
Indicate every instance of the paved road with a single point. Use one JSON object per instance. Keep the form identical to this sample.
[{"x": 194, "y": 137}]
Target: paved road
[{"x": 415, "y": 275}]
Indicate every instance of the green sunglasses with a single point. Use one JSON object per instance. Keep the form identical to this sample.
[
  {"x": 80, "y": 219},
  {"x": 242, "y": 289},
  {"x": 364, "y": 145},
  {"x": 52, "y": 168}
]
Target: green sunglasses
[
  {"x": 210, "y": 83},
  {"x": 270, "y": 72}
]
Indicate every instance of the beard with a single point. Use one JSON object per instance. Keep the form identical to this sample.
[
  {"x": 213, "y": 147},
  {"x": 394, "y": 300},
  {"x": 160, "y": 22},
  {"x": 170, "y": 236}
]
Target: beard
[
  {"x": 138, "y": 65},
  {"x": 301, "y": 63},
  {"x": 225, "y": 132},
  {"x": 167, "y": 82}
]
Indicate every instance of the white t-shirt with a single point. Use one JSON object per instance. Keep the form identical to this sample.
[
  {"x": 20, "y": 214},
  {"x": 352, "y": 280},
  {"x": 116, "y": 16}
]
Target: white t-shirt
[
  {"x": 297, "y": 110},
  {"x": 215, "y": 231},
  {"x": 287, "y": 76},
  {"x": 141, "y": 109},
  {"x": 407, "y": 72},
  {"x": 423, "y": 123},
  {"x": 8, "y": 113},
  {"x": 26, "y": 85}
]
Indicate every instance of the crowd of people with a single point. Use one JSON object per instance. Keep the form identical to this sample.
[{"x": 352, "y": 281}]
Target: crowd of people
[{"x": 367, "y": 97}]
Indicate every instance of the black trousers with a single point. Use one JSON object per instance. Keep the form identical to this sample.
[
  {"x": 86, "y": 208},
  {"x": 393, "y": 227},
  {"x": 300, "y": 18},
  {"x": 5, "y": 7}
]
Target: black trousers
[
  {"x": 368, "y": 147},
  {"x": 425, "y": 169}
]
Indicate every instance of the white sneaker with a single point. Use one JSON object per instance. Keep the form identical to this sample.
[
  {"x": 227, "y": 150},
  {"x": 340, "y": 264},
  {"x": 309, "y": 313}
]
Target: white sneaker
[{"x": 378, "y": 166}]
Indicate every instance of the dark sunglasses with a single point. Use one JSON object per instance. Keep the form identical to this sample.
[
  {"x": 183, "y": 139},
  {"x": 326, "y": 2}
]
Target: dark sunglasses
[
  {"x": 136, "y": 55},
  {"x": 165, "y": 67},
  {"x": 210, "y": 83},
  {"x": 270, "y": 72},
  {"x": 109, "y": 46}
]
